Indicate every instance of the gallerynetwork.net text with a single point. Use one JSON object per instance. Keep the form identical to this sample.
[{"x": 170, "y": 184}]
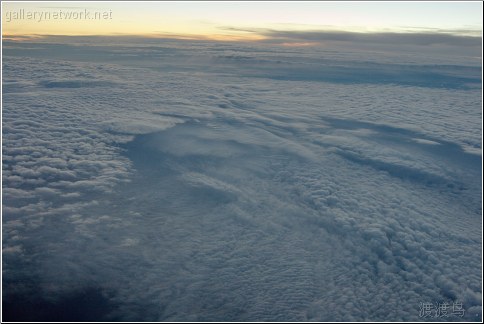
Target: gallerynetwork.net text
[{"x": 39, "y": 16}]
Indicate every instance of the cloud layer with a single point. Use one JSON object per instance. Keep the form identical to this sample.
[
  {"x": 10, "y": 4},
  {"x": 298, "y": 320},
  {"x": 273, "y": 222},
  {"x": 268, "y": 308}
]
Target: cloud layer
[
  {"x": 198, "y": 181},
  {"x": 411, "y": 37}
]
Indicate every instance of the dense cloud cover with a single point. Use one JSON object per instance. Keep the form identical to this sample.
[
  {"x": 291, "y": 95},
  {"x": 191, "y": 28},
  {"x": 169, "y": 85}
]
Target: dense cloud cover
[{"x": 151, "y": 180}]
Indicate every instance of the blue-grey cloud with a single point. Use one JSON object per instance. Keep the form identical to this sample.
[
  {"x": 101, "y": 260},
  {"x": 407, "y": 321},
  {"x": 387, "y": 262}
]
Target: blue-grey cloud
[
  {"x": 432, "y": 37},
  {"x": 199, "y": 181}
]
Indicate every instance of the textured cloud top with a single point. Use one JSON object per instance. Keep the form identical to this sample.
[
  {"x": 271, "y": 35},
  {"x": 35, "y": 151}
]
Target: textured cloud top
[{"x": 199, "y": 181}]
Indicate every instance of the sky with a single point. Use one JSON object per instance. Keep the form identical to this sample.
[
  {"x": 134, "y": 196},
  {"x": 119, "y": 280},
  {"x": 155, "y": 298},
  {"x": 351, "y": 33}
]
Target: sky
[{"x": 237, "y": 20}]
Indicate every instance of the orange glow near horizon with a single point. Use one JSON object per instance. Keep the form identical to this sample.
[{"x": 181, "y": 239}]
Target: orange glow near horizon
[
  {"x": 215, "y": 37},
  {"x": 299, "y": 44}
]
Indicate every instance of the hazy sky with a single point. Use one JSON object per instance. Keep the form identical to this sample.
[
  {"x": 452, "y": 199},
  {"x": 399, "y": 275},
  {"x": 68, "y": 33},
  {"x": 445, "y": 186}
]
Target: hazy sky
[{"x": 224, "y": 20}]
